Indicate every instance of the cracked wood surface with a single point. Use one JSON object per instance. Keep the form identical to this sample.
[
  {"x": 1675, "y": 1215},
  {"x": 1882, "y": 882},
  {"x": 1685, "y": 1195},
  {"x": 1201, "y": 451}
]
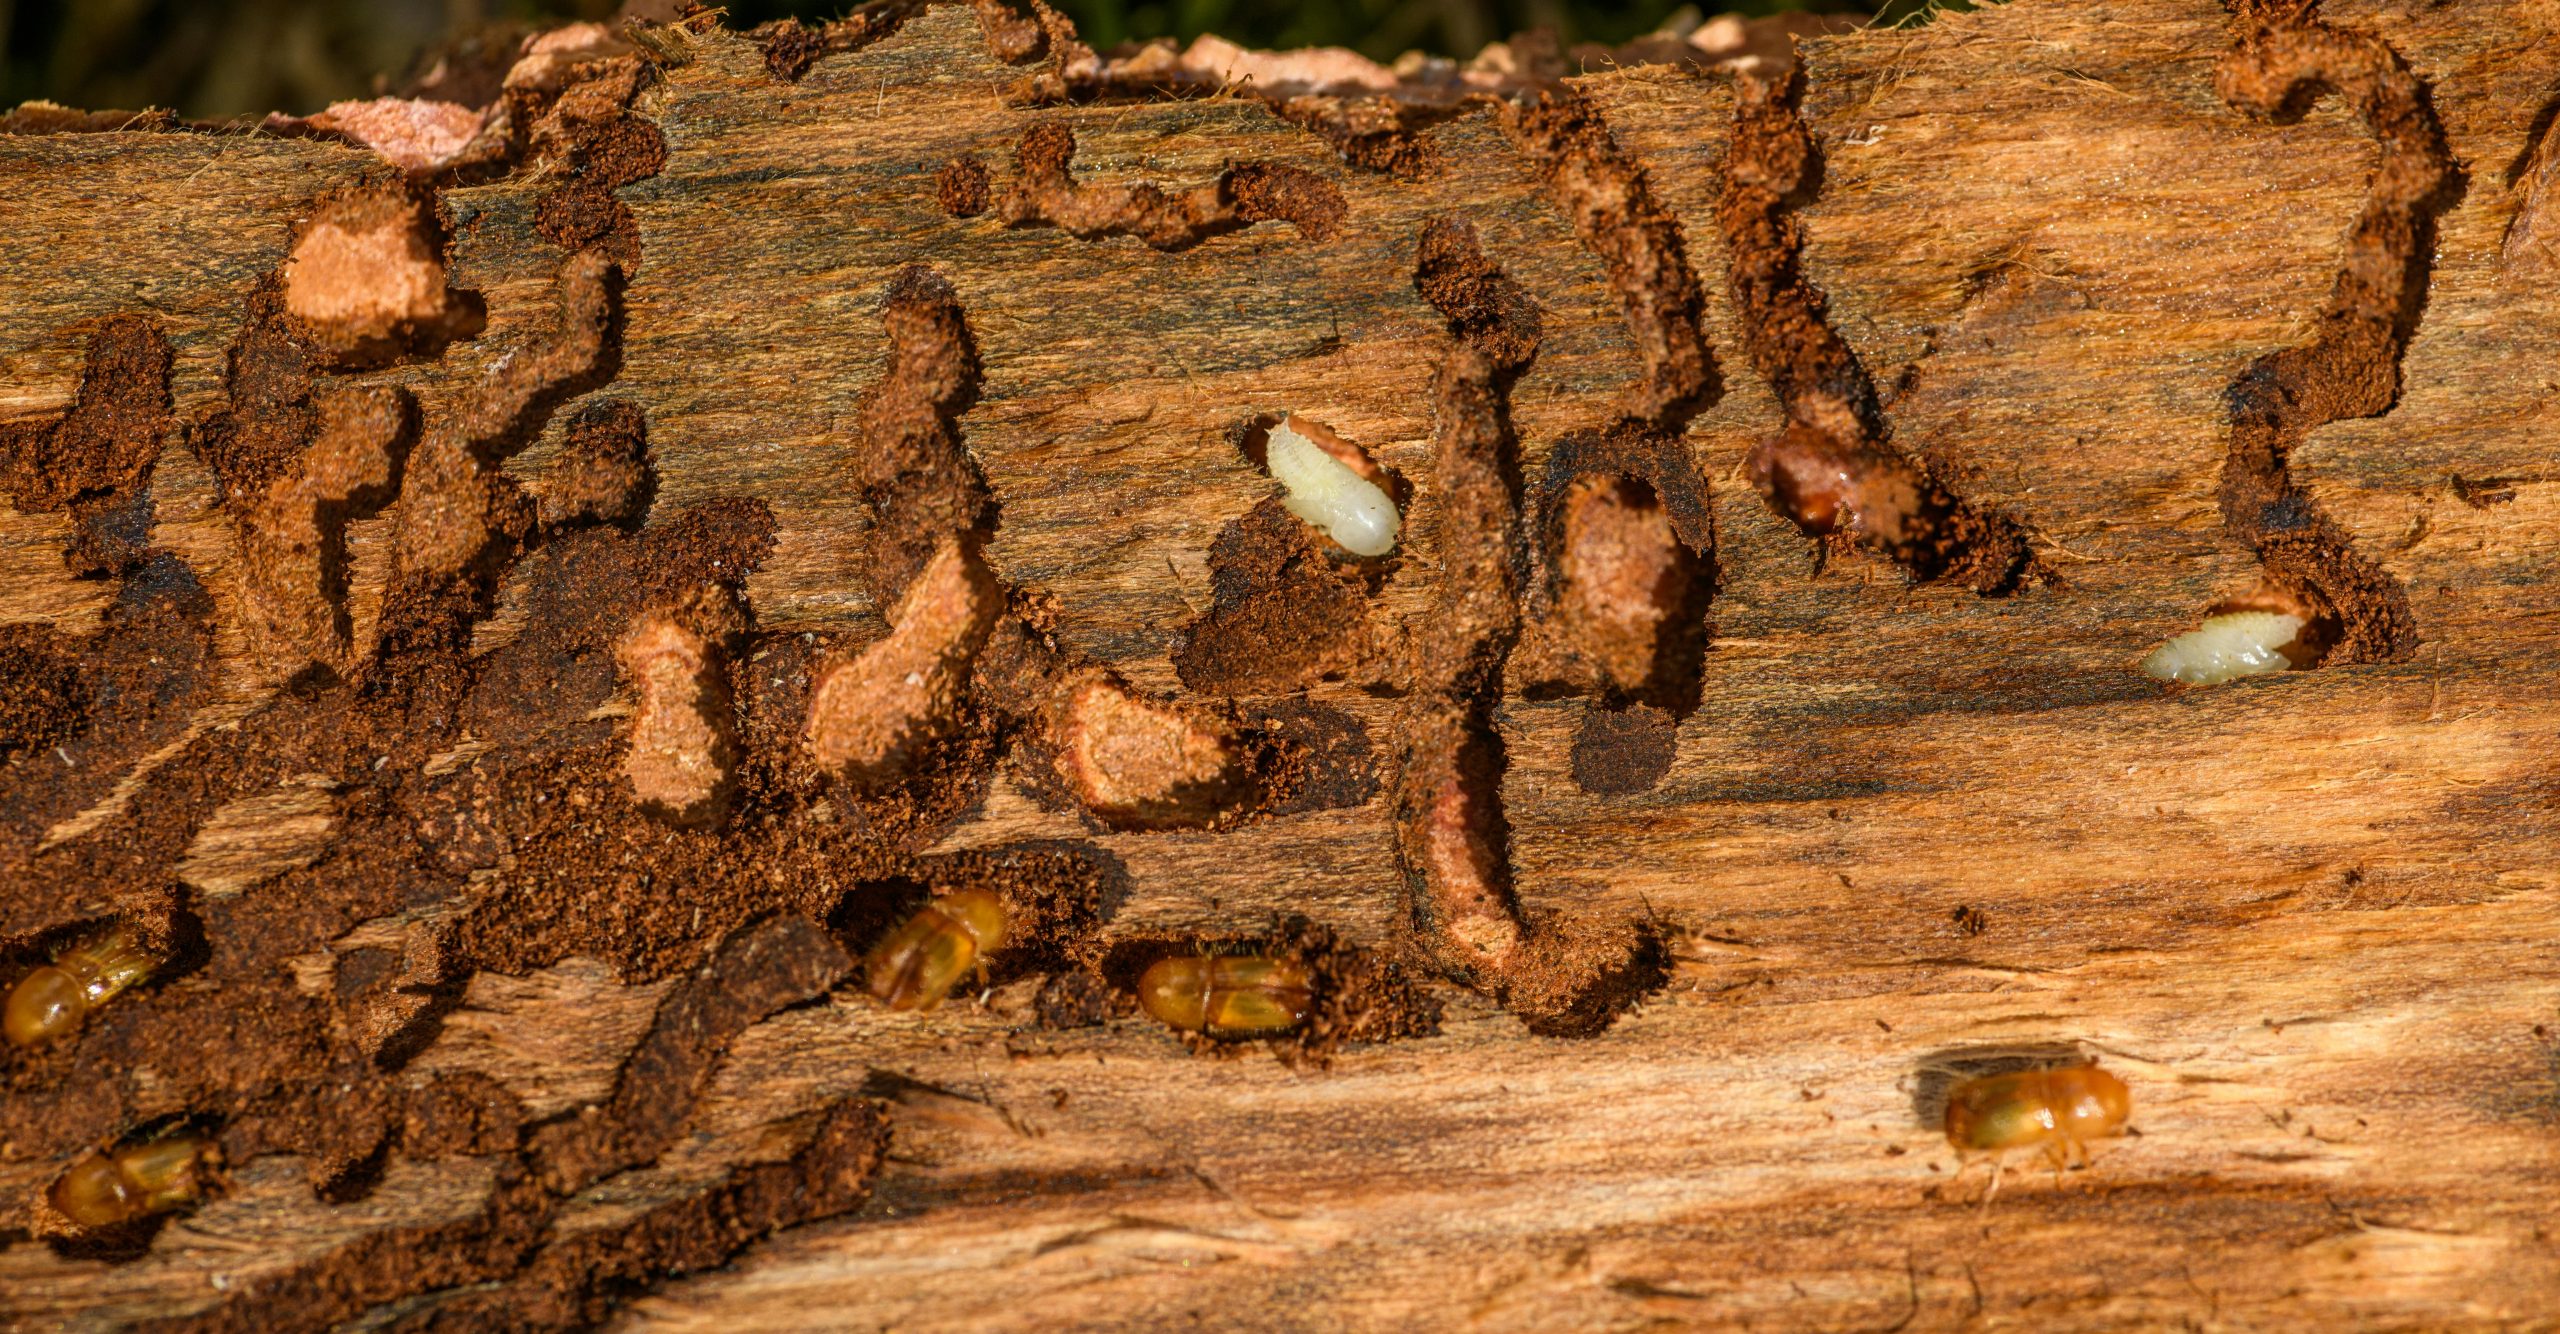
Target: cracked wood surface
[{"x": 2308, "y": 917}]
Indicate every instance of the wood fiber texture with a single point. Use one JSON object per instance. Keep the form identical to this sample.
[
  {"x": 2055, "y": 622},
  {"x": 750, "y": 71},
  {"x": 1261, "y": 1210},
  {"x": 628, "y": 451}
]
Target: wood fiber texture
[{"x": 2310, "y": 918}]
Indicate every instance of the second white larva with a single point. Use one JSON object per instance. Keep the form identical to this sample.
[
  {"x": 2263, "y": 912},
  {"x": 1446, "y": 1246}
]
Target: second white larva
[
  {"x": 1325, "y": 492},
  {"x": 2225, "y": 648}
]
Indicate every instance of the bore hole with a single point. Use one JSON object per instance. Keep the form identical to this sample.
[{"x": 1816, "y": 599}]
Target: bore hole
[
  {"x": 1331, "y": 483},
  {"x": 132, "y": 957},
  {"x": 1128, "y": 959},
  {"x": 2264, "y": 631},
  {"x": 1627, "y": 545},
  {"x": 874, "y": 908},
  {"x": 1055, "y": 892},
  {"x": 1620, "y": 752},
  {"x": 118, "y": 1243},
  {"x": 1351, "y": 994}
]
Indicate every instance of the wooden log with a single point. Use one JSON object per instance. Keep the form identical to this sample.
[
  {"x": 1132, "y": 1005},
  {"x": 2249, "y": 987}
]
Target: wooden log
[{"x": 2048, "y": 329}]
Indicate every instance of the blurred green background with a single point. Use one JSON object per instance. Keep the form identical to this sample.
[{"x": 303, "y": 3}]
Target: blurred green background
[{"x": 221, "y": 58}]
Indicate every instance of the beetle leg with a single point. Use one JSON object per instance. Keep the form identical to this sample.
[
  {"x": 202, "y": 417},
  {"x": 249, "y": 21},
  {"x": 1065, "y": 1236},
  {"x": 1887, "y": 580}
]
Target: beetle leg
[{"x": 1995, "y": 1184}]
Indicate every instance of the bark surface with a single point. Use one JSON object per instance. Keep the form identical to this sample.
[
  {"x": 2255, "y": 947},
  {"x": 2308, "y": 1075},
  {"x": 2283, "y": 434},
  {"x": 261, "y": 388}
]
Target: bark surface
[{"x": 417, "y": 569}]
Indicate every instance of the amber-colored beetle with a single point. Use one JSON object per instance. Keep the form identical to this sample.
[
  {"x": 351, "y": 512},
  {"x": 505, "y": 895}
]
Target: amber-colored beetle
[
  {"x": 1227, "y": 996},
  {"x": 2058, "y": 1111},
  {"x": 51, "y": 1001},
  {"x": 915, "y": 966},
  {"x": 120, "y": 1185}
]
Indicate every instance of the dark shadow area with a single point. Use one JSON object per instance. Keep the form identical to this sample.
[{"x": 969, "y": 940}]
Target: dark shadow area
[
  {"x": 223, "y": 58},
  {"x": 1938, "y": 1071}
]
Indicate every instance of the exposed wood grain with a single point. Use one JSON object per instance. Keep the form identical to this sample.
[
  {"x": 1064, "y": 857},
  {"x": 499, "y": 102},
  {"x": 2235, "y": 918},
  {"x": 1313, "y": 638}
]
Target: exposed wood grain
[{"x": 2308, "y": 917}]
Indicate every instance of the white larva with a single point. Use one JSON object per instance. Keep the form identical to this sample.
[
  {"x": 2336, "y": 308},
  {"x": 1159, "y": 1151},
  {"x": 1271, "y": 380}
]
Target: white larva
[
  {"x": 2225, "y": 648},
  {"x": 1324, "y": 491}
]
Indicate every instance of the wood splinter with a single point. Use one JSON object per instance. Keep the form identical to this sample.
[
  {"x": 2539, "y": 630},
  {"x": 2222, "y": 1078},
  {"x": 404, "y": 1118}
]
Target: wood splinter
[
  {"x": 872, "y": 714},
  {"x": 1133, "y": 761},
  {"x": 366, "y": 279},
  {"x": 680, "y": 753},
  {"x": 292, "y": 544}
]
